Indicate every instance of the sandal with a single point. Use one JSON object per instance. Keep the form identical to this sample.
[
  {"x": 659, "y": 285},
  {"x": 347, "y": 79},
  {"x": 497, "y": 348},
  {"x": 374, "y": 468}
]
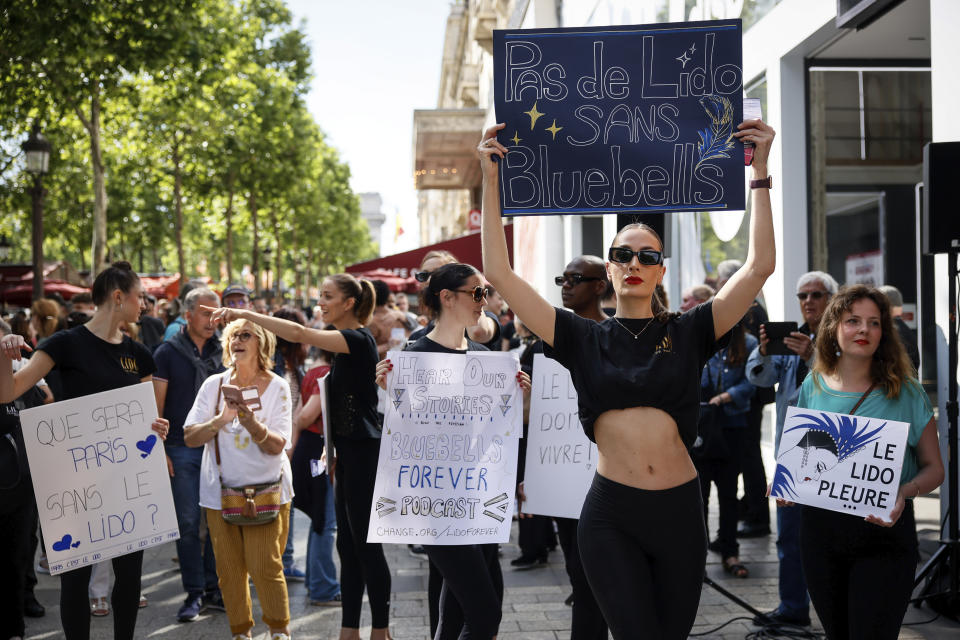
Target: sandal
[
  {"x": 99, "y": 607},
  {"x": 736, "y": 568}
]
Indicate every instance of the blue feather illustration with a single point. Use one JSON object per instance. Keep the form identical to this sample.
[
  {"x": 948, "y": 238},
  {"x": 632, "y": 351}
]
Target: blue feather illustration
[
  {"x": 783, "y": 484},
  {"x": 717, "y": 139},
  {"x": 844, "y": 431}
]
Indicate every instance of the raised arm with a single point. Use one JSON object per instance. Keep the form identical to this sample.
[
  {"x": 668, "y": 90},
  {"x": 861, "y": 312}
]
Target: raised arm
[
  {"x": 327, "y": 340},
  {"x": 13, "y": 385},
  {"x": 736, "y": 296},
  {"x": 532, "y": 309}
]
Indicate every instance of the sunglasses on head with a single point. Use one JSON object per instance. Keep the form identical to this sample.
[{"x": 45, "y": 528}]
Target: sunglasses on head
[
  {"x": 624, "y": 255},
  {"x": 479, "y": 293},
  {"x": 574, "y": 279},
  {"x": 421, "y": 276},
  {"x": 242, "y": 336},
  {"x": 815, "y": 295}
]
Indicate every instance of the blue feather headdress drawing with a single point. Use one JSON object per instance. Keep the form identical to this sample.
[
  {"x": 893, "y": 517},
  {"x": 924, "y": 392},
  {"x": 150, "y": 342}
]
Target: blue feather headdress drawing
[
  {"x": 717, "y": 139},
  {"x": 844, "y": 432},
  {"x": 783, "y": 484}
]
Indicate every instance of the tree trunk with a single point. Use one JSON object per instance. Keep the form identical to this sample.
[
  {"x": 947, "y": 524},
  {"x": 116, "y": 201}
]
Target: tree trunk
[
  {"x": 229, "y": 219},
  {"x": 276, "y": 235},
  {"x": 178, "y": 207},
  {"x": 252, "y": 201},
  {"x": 99, "y": 186}
]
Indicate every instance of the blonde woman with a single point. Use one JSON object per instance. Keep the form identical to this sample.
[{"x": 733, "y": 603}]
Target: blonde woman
[{"x": 251, "y": 447}]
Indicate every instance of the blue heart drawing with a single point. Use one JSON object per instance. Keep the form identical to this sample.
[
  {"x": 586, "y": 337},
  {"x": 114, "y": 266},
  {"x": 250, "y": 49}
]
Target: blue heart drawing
[
  {"x": 146, "y": 445},
  {"x": 65, "y": 543}
]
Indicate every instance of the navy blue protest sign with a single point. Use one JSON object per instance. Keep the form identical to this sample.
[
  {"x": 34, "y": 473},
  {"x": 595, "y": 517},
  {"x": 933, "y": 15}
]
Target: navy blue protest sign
[{"x": 619, "y": 119}]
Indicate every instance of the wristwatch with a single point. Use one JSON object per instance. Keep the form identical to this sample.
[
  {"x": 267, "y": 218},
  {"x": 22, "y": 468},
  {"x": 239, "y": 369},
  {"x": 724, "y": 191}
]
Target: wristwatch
[{"x": 763, "y": 183}]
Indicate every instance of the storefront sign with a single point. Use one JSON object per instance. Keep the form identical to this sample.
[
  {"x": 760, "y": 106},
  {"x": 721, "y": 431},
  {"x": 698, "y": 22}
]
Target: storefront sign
[
  {"x": 849, "y": 464},
  {"x": 448, "y": 455},
  {"x": 561, "y": 461},
  {"x": 100, "y": 476},
  {"x": 620, "y": 118}
]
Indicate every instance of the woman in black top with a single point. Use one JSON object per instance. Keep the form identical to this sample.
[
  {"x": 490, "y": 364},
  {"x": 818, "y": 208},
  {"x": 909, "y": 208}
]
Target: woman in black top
[
  {"x": 92, "y": 358},
  {"x": 347, "y": 304},
  {"x": 472, "y": 591},
  {"x": 641, "y": 533}
]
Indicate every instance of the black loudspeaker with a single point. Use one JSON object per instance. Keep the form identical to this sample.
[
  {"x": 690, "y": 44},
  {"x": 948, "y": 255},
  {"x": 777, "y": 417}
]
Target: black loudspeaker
[
  {"x": 656, "y": 220},
  {"x": 941, "y": 171}
]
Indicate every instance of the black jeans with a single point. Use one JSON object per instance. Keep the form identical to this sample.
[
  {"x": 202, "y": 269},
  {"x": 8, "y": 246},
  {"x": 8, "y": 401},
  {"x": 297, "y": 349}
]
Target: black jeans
[
  {"x": 755, "y": 507},
  {"x": 860, "y": 575},
  {"x": 535, "y": 536},
  {"x": 362, "y": 564},
  {"x": 19, "y": 515},
  {"x": 124, "y": 599},
  {"x": 723, "y": 472},
  {"x": 472, "y": 592},
  {"x": 644, "y": 553},
  {"x": 588, "y": 622}
]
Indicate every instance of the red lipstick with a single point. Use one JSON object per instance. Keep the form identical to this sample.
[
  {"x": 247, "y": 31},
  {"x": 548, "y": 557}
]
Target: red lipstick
[
  {"x": 862, "y": 342},
  {"x": 634, "y": 280}
]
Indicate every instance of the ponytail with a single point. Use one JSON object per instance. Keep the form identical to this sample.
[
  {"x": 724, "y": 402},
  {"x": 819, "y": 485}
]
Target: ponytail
[
  {"x": 362, "y": 292},
  {"x": 119, "y": 275}
]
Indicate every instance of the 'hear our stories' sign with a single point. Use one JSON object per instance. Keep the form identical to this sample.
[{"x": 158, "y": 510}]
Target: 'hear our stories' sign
[
  {"x": 844, "y": 463},
  {"x": 620, "y": 118},
  {"x": 100, "y": 476},
  {"x": 448, "y": 454}
]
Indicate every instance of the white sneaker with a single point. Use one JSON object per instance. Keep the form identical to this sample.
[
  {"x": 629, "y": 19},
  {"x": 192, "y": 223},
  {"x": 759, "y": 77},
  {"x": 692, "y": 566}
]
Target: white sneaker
[{"x": 279, "y": 636}]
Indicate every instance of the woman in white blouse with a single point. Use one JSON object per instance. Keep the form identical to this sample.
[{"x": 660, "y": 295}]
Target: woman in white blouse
[{"x": 252, "y": 445}]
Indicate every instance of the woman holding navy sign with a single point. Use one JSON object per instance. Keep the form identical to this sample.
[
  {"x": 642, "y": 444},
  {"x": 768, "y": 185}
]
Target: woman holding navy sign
[
  {"x": 92, "y": 358},
  {"x": 642, "y": 534},
  {"x": 860, "y": 571},
  {"x": 472, "y": 592}
]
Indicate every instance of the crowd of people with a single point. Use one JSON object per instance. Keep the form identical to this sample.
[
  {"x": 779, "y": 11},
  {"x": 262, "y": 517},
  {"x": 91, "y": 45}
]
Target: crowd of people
[{"x": 673, "y": 400}]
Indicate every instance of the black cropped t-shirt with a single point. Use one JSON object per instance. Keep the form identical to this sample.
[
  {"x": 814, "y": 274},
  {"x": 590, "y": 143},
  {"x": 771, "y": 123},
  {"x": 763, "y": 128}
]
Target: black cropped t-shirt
[{"x": 660, "y": 368}]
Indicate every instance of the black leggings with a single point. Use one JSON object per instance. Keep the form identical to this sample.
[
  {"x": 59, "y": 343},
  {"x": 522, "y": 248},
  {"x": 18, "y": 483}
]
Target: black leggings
[
  {"x": 644, "y": 553},
  {"x": 860, "y": 575},
  {"x": 124, "y": 599},
  {"x": 472, "y": 592},
  {"x": 723, "y": 472},
  {"x": 588, "y": 622},
  {"x": 362, "y": 564}
]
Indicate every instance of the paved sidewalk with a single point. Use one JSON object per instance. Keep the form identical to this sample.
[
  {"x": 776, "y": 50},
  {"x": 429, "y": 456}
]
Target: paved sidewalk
[{"x": 533, "y": 606}]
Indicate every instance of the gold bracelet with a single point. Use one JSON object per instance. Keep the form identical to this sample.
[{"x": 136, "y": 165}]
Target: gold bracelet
[{"x": 266, "y": 434}]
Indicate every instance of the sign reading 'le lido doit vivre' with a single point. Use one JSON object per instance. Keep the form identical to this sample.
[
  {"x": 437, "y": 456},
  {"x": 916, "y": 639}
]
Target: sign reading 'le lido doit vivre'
[
  {"x": 447, "y": 471},
  {"x": 849, "y": 464},
  {"x": 625, "y": 118}
]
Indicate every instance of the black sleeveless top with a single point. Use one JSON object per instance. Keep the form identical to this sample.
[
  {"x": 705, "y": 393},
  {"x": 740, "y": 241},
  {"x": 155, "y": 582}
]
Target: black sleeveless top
[{"x": 660, "y": 368}]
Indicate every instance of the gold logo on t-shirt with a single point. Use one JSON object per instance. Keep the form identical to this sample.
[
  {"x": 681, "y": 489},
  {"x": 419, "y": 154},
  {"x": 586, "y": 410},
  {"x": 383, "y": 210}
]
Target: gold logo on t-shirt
[
  {"x": 129, "y": 365},
  {"x": 665, "y": 346}
]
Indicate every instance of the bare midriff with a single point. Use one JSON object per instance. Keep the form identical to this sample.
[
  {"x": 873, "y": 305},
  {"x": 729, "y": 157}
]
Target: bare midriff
[{"x": 641, "y": 447}]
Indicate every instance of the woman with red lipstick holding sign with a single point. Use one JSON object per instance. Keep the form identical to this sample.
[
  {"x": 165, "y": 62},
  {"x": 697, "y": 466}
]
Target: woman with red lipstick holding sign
[{"x": 642, "y": 535}]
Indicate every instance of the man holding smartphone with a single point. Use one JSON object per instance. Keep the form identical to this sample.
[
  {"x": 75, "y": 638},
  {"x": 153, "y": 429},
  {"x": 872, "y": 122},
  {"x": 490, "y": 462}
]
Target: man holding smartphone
[{"x": 788, "y": 371}]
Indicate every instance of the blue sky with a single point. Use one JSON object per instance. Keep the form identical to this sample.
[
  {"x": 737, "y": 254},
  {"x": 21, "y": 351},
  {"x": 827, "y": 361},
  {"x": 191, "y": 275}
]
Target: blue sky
[{"x": 374, "y": 62}]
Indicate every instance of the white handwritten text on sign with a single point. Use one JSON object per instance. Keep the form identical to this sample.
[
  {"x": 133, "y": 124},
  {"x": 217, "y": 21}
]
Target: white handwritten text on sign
[
  {"x": 561, "y": 460},
  {"x": 849, "y": 464},
  {"x": 100, "y": 476},
  {"x": 448, "y": 456}
]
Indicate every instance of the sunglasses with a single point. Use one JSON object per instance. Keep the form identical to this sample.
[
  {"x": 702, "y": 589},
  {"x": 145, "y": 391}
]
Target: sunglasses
[
  {"x": 243, "y": 336},
  {"x": 574, "y": 279},
  {"x": 421, "y": 276},
  {"x": 624, "y": 255},
  {"x": 815, "y": 295},
  {"x": 479, "y": 293}
]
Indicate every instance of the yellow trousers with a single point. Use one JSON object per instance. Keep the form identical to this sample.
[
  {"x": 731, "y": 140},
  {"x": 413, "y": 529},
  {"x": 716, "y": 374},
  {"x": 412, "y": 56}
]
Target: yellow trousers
[{"x": 257, "y": 551}]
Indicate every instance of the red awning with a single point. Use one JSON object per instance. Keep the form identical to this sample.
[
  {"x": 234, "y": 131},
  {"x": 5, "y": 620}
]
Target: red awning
[
  {"x": 404, "y": 265},
  {"x": 22, "y": 294},
  {"x": 395, "y": 282}
]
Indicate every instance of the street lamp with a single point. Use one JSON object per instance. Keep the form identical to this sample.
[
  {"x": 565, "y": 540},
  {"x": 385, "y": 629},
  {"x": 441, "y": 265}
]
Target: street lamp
[{"x": 37, "y": 149}]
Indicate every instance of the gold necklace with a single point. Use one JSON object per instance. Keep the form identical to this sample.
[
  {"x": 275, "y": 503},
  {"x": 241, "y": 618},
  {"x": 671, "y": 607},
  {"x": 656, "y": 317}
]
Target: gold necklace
[{"x": 635, "y": 335}]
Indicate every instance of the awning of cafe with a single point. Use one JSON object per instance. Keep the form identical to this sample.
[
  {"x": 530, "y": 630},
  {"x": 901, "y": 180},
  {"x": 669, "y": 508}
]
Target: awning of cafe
[{"x": 445, "y": 148}]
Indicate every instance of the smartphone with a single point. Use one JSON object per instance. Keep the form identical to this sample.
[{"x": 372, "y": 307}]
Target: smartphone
[
  {"x": 751, "y": 111},
  {"x": 776, "y": 332},
  {"x": 249, "y": 396}
]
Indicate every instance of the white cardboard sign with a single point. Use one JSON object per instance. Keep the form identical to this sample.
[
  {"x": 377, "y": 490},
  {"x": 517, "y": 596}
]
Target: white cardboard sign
[
  {"x": 561, "y": 461},
  {"x": 448, "y": 455},
  {"x": 100, "y": 476},
  {"x": 844, "y": 463}
]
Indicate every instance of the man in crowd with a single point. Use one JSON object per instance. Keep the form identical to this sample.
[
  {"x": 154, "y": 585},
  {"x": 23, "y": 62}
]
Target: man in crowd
[
  {"x": 813, "y": 291},
  {"x": 183, "y": 363},
  {"x": 181, "y": 320},
  {"x": 695, "y": 295},
  {"x": 385, "y": 320},
  {"x": 907, "y": 335},
  {"x": 83, "y": 303},
  {"x": 151, "y": 328},
  {"x": 236, "y": 296}
]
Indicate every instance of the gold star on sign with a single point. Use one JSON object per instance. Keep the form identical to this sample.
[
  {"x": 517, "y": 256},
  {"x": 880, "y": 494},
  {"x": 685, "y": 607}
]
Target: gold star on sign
[
  {"x": 534, "y": 115},
  {"x": 516, "y": 138},
  {"x": 554, "y": 129}
]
